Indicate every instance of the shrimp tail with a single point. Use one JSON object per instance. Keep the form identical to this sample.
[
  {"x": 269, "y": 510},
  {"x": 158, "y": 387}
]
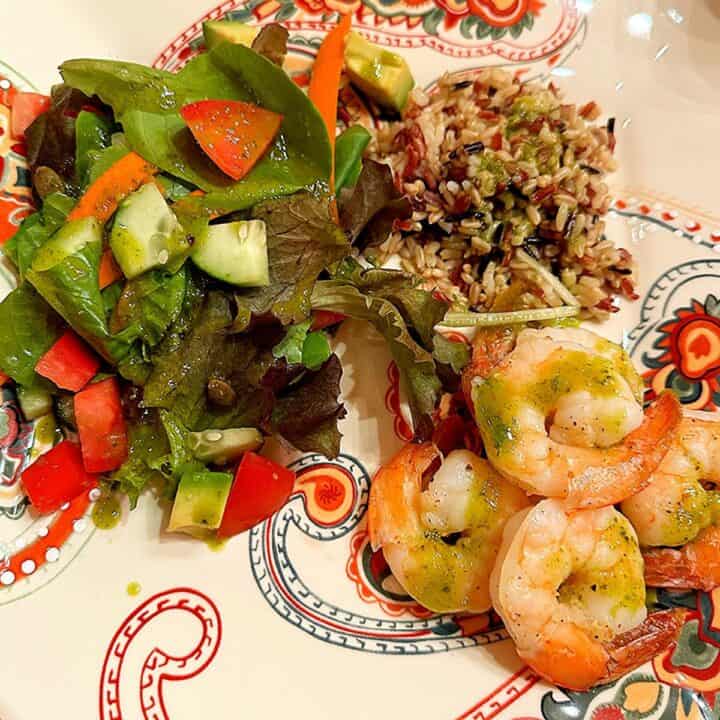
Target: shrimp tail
[
  {"x": 388, "y": 497},
  {"x": 490, "y": 347},
  {"x": 695, "y": 566},
  {"x": 630, "y": 465},
  {"x": 641, "y": 644}
]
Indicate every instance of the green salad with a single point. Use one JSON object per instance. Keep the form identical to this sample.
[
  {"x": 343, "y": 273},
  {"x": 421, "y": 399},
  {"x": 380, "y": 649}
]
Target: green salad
[{"x": 194, "y": 247}]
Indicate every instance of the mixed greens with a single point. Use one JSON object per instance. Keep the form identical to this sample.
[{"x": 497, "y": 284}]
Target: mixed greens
[{"x": 194, "y": 247}]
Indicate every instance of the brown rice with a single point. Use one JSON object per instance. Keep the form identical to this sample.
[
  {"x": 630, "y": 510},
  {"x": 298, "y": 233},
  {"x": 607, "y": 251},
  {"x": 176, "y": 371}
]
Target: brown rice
[{"x": 508, "y": 189}]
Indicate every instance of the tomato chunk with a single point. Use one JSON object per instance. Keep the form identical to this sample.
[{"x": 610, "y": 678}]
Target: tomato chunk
[
  {"x": 325, "y": 318},
  {"x": 57, "y": 477},
  {"x": 261, "y": 488},
  {"x": 26, "y": 107},
  {"x": 233, "y": 134},
  {"x": 101, "y": 426},
  {"x": 69, "y": 363}
]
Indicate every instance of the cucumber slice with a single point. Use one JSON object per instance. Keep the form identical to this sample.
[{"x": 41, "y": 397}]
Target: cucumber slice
[
  {"x": 223, "y": 446},
  {"x": 235, "y": 253},
  {"x": 68, "y": 240},
  {"x": 146, "y": 234}
]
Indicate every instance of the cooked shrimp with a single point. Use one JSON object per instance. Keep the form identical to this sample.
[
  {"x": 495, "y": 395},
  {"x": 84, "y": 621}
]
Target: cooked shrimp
[
  {"x": 569, "y": 587},
  {"x": 440, "y": 538},
  {"x": 677, "y": 509},
  {"x": 560, "y": 415}
]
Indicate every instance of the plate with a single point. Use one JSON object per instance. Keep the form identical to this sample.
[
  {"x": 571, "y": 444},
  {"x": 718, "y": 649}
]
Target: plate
[{"x": 299, "y": 617}]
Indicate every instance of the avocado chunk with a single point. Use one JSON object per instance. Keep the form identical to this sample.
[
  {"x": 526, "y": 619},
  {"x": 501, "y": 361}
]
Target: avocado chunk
[
  {"x": 219, "y": 31},
  {"x": 234, "y": 252},
  {"x": 223, "y": 446},
  {"x": 200, "y": 501},
  {"x": 146, "y": 234},
  {"x": 382, "y": 75},
  {"x": 69, "y": 239}
]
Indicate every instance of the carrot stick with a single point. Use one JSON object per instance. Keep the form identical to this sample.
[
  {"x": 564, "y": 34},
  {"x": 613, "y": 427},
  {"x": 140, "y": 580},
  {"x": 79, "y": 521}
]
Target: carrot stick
[
  {"x": 325, "y": 81},
  {"x": 117, "y": 182},
  {"x": 109, "y": 271}
]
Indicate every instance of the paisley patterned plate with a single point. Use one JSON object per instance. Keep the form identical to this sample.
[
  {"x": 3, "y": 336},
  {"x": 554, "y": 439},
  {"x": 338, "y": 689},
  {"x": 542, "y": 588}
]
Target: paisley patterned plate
[{"x": 299, "y": 618}]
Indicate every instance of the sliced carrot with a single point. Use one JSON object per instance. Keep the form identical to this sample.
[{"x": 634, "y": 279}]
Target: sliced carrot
[
  {"x": 117, "y": 182},
  {"x": 325, "y": 81},
  {"x": 109, "y": 271}
]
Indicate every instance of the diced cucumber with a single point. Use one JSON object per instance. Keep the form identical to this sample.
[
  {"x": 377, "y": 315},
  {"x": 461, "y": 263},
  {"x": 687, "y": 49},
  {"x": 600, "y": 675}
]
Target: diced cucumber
[
  {"x": 200, "y": 501},
  {"x": 234, "y": 252},
  {"x": 34, "y": 402},
  {"x": 146, "y": 234},
  {"x": 223, "y": 446},
  {"x": 68, "y": 240}
]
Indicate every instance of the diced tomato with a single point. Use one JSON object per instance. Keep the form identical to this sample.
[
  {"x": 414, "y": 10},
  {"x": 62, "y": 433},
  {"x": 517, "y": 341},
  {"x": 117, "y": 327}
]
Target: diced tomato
[
  {"x": 233, "y": 134},
  {"x": 325, "y": 318},
  {"x": 26, "y": 107},
  {"x": 101, "y": 426},
  {"x": 261, "y": 488},
  {"x": 57, "y": 477},
  {"x": 3, "y": 378},
  {"x": 69, "y": 363}
]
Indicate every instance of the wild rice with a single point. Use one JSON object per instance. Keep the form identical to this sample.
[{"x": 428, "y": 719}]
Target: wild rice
[{"x": 492, "y": 166}]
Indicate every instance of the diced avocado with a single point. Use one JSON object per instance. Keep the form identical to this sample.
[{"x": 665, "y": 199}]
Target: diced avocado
[
  {"x": 223, "y": 446},
  {"x": 146, "y": 234},
  {"x": 219, "y": 31},
  {"x": 382, "y": 75},
  {"x": 68, "y": 240},
  {"x": 234, "y": 252},
  {"x": 200, "y": 501},
  {"x": 34, "y": 402}
]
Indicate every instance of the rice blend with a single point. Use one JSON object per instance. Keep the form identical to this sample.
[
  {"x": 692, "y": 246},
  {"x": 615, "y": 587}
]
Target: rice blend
[{"x": 508, "y": 189}]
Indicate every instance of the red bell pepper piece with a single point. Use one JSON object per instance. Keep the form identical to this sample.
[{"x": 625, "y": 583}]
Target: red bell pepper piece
[
  {"x": 325, "y": 318},
  {"x": 69, "y": 363},
  {"x": 261, "y": 488},
  {"x": 101, "y": 426},
  {"x": 26, "y": 106},
  {"x": 57, "y": 477},
  {"x": 233, "y": 134}
]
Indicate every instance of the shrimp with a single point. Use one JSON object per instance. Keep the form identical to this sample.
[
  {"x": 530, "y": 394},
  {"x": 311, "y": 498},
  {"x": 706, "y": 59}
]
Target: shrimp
[
  {"x": 560, "y": 415},
  {"x": 569, "y": 587},
  {"x": 676, "y": 510},
  {"x": 440, "y": 538}
]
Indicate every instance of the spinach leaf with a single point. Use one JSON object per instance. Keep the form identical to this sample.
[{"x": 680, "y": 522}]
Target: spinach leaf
[
  {"x": 415, "y": 364},
  {"x": 28, "y": 327},
  {"x": 101, "y": 160},
  {"x": 302, "y": 241},
  {"x": 147, "y": 103},
  {"x": 369, "y": 211},
  {"x": 147, "y": 306},
  {"x": 307, "y": 416},
  {"x": 92, "y": 134},
  {"x": 71, "y": 288},
  {"x": 349, "y": 148}
]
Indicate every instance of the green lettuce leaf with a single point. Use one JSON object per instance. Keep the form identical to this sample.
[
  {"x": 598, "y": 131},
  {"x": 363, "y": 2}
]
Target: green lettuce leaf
[
  {"x": 147, "y": 103},
  {"x": 450, "y": 352},
  {"x": 302, "y": 241},
  {"x": 300, "y": 346},
  {"x": 416, "y": 365},
  {"x": 184, "y": 363},
  {"x": 28, "y": 328}
]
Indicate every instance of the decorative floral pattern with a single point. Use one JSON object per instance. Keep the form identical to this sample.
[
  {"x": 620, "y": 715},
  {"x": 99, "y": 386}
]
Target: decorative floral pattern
[{"x": 521, "y": 31}]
